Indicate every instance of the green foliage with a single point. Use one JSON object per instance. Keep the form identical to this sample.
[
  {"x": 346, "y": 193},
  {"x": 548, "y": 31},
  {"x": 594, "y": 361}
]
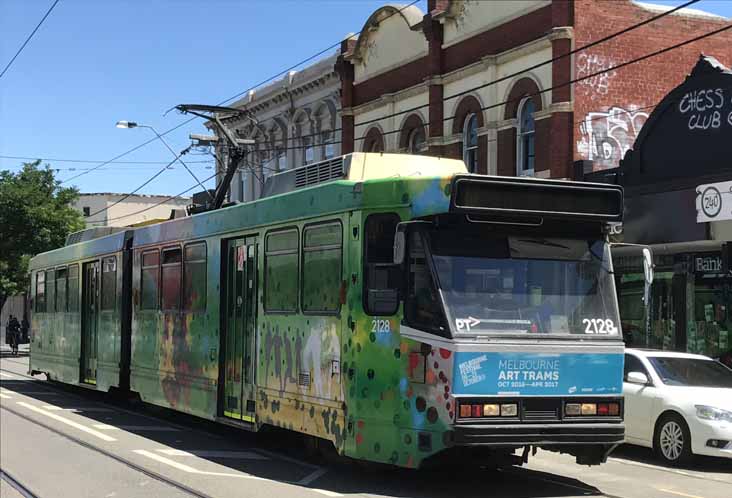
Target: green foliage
[{"x": 36, "y": 214}]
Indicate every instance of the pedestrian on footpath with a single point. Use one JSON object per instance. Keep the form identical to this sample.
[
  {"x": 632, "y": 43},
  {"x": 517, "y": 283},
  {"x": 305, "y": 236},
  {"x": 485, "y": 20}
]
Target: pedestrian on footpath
[{"x": 12, "y": 334}]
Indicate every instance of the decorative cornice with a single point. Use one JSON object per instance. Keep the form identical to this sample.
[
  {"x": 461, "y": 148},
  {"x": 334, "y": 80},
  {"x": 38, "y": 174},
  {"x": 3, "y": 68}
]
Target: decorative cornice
[
  {"x": 390, "y": 98},
  {"x": 490, "y": 61},
  {"x": 506, "y": 124},
  {"x": 554, "y": 108},
  {"x": 561, "y": 33},
  {"x": 433, "y": 80}
]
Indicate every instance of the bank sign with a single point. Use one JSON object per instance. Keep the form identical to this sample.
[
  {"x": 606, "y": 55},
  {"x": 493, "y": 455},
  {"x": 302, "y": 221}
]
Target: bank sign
[
  {"x": 529, "y": 374},
  {"x": 714, "y": 202}
]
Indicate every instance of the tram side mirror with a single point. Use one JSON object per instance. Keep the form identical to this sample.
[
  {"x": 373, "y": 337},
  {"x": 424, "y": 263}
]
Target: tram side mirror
[
  {"x": 647, "y": 274},
  {"x": 400, "y": 246},
  {"x": 647, "y": 266}
]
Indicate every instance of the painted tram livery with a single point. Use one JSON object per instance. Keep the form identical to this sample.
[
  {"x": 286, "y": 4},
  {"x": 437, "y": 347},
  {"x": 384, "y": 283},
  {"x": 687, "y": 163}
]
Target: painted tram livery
[{"x": 393, "y": 305}]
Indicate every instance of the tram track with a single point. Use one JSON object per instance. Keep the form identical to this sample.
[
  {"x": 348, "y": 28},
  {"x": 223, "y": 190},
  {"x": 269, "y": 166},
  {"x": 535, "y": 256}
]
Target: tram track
[
  {"x": 24, "y": 491},
  {"x": 539, "y": 476},
  {"x": 119, "y": 459},
  {"x": 124, "y": 461}
]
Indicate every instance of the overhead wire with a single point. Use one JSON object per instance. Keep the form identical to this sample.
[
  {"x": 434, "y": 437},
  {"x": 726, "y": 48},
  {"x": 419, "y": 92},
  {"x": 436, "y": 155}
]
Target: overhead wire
[
  {"x": 624, "y": 64},
  {"x": 167, "y": 199},
  {"x": 517, "y": 73},
  {"x": 518, "y": 99},
  {"x": 87, "y": 161},
  {"x": 28, "y": 38},
  {"x": 248, "y": 164},
  {"x": 552, "y": 60},
  {"x": 147, "y": 182},
  {"x": 267, "y": 80},
  {"x": 570, "y": 82}
]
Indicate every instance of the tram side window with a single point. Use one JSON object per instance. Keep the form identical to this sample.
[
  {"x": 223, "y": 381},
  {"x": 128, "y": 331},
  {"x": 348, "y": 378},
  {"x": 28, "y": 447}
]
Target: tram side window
[
  {"x": 72, "y": 303},
  {"x": 150, "y": 280},
  {"x": 61, "y": 275},
  {"x": 194, "y": 277},
  {"x": 422, "y": 308},
  {"x": 109, "y": 283},
  {"x": 281, "y": 271},
  {"x": 321, "y": 275},
  {"x": 40, "y": 292},
  {"x": 171, "y": 274},
  {"x": 50, "y": 291},
  {"x": 381, "y": 276}
]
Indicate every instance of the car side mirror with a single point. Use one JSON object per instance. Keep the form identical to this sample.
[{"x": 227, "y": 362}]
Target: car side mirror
[{"x": 638, "y": 378}]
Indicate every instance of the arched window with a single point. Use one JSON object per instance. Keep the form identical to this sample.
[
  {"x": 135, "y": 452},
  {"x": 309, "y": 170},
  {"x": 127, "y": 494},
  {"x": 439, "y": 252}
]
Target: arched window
[
  {"x": 373, "y": 141},
  {"x": 525, "y": 156},
  {"x": 415, "y": 141},
  {"x": 470, "y": 142},
  {"x": 325, "y": 123}
]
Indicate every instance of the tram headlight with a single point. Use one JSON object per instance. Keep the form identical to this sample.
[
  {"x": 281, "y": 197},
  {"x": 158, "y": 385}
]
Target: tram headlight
[
  {"x": 588, "y": 409},
  {"x": 491, "y": 410},
  {"x": 509, "y": 410},
  {"x": 592, "y": 409},
  {"x": 572, "y": 409}
]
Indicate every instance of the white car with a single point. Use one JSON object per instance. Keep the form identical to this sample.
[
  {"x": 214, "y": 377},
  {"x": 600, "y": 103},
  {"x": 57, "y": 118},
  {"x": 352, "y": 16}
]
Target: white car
[{"x": 678, "y": 404}]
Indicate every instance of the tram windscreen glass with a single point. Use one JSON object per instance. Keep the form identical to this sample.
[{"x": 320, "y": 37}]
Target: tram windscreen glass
[{"x": 524, "y": 285}]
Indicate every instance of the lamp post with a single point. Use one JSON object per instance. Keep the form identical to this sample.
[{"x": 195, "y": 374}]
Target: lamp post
[{"x": 133, "y": 124}]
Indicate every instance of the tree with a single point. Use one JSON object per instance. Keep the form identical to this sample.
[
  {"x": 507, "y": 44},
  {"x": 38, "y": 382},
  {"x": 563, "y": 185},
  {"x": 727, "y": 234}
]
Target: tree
[{"x": 36, "y": 214}]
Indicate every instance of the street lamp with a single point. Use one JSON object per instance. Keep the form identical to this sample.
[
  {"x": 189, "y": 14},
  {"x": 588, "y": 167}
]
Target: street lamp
[
  {"x": 133, "y": 124},
  {"x": 126, "y": 124}
]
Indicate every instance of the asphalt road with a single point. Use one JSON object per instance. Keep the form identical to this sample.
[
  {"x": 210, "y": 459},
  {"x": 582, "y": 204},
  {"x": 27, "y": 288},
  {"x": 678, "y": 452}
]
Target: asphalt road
[{"x": 58, "y": 442}]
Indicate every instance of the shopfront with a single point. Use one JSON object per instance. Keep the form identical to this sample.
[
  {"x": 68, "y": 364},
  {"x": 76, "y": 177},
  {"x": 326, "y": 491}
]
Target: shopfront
[
  {"x": 690, "y": 299},
  {"x": 678, "y": 185}
]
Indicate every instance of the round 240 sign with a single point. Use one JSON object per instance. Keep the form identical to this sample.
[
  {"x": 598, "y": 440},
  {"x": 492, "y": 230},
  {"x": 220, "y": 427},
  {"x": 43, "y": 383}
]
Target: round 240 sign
[{"x": 714, "y": 202}]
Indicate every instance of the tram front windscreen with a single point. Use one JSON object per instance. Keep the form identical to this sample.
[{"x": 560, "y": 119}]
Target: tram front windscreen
[{"x": 509, "y": 285}]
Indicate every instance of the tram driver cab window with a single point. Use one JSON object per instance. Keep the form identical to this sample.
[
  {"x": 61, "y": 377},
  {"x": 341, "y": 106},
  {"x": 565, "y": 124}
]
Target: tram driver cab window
[
  {"x": 422, "y": 307},
  {"x": 381, "y": 275}
]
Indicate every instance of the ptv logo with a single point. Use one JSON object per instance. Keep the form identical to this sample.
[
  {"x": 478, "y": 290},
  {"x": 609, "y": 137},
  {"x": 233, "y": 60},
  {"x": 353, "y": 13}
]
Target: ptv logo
[{"x": 466, "y": 323}]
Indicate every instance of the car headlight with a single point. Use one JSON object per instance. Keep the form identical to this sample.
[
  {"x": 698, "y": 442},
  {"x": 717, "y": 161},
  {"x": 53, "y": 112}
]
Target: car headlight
[{"x": 711, "y": 413}]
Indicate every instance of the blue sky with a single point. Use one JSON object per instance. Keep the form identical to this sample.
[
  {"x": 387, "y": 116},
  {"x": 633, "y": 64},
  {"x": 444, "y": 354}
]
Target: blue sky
[{"x": 94, "y": 62}]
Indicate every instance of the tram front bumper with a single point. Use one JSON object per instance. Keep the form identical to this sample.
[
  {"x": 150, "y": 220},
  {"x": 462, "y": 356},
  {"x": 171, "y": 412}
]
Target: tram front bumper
[{"x": 539, "y": 434}]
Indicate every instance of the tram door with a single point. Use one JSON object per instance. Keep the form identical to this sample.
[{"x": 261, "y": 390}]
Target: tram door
[
  {"x": 240, "y": 347},
  {"x": 89, "y": 322}
]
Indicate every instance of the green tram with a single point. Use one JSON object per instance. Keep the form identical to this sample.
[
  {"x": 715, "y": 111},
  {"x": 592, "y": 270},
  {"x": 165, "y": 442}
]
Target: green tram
[{"x": 392, "y": 305}]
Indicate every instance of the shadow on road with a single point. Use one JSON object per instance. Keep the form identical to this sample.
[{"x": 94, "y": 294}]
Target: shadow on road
[
  {"x": 698, "y": 464},
  {"x": 289, "y": 461}
]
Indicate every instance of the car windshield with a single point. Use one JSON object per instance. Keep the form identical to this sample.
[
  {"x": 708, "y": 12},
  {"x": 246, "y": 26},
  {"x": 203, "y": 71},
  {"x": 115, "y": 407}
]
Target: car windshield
[
  {"x": 691, "y": 372},
  {"x": 525, "y": 285}
]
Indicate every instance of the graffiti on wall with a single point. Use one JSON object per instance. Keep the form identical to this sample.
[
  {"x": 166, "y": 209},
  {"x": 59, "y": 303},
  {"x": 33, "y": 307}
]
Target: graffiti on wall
[
  {"x": 606, "y": 136},
  {"x": 598, "y": 85}
]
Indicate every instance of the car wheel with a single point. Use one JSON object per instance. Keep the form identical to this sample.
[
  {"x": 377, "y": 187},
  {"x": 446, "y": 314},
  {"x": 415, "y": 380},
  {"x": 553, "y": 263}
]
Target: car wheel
[{"x": 672, "y": 440}]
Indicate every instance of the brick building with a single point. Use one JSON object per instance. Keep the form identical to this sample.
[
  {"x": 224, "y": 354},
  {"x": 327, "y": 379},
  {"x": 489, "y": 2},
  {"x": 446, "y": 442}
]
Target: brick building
[{"x": 453, "y": 82}]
